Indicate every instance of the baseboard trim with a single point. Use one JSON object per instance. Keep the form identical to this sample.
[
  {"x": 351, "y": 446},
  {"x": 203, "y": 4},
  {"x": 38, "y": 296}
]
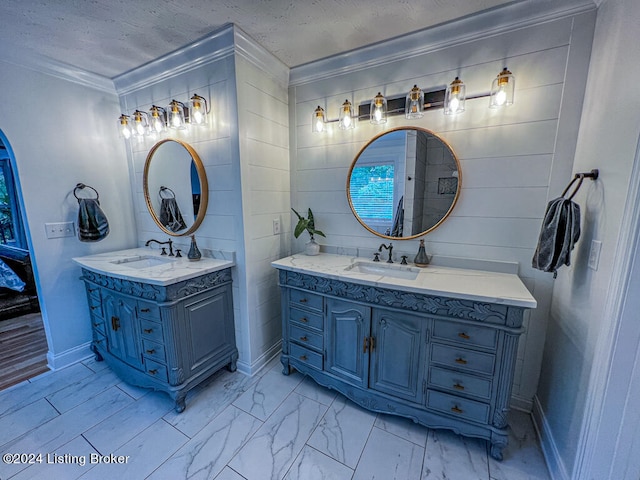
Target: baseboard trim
[
  {"x": 69, "y": 357},
  {"x": 253, "y": 368},
  {"x": 551, "y": 454}
]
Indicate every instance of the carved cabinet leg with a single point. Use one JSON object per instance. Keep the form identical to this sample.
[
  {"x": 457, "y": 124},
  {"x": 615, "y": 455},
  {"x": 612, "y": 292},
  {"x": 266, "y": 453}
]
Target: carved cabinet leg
[
  {"x": 180, "y": 404},
  {"x": 286, "y": 369},
  {"x": 97, "y": 356}
]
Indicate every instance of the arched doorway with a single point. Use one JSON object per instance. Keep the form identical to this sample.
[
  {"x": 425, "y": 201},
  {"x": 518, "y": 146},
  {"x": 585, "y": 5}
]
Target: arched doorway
[{"x": 23, "y": 344}]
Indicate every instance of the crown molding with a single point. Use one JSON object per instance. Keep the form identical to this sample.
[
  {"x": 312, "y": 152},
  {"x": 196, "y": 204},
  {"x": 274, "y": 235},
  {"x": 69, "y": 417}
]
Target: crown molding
[
  {"x": 496, "y": 21},
  {"x": 48, "y": 66},
  {"x": 263, "y": 59},
  {"x": 208, "y": 49}
]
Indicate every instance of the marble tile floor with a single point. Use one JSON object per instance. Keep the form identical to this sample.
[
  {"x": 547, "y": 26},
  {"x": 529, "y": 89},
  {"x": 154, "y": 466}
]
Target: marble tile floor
[{"x": 83, "y": 422}]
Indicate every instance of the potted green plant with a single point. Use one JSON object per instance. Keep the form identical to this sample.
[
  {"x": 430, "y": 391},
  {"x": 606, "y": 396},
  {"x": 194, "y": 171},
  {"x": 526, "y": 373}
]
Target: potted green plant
[{"x": 308, "y": 224}]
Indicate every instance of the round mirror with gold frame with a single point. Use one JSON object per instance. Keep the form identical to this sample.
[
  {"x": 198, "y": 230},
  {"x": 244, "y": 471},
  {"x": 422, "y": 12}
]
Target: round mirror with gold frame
[
  {"x": 404, "y": 183},
  {"x": 175, "y": 187}
]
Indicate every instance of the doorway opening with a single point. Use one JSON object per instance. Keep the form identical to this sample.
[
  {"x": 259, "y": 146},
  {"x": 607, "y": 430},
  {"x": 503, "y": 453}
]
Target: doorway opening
[{"x": 23, "y": 343}]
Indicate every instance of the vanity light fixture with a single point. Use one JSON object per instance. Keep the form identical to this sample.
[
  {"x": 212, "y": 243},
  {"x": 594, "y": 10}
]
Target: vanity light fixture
[
  {"x": 199, "y": 110},
  {"x": 318, "y": 119},
  {"x": 140, "y": 126},
  {"x": 502, "y": 89},
  {"x": 414, "y": 104},
  {"x": 178, "y": 115},
  {"x": 124, "y": 126},
  {"x": 345, "y": 119},
  {"x": 378, "y": 110},
  {"x": 158, "y": 119},
  {"x": 454, "y": 97}
]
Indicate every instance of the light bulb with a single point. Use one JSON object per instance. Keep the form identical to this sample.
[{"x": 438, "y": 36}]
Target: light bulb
[
  {"x": 454, "y": 104},
  {"x": 377, "y": 115},
  {"x": 501, "y": 97},
  {"x": 198, "y": 117},
  {"x": 346, "y": 121}
]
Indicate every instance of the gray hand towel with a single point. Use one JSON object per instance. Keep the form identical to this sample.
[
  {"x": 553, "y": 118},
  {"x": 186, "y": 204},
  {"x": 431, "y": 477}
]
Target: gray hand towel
[
  {"x": 92, "y": 222},
  {"x": 560, "y": 231},
  {"x": 170, "y": 215}
]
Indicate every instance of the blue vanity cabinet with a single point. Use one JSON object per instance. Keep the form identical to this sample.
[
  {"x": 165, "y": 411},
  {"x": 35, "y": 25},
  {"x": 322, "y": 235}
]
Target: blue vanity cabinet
[
  {"x": 169, "y": 338},
  {"x": 443, "y": 362}
]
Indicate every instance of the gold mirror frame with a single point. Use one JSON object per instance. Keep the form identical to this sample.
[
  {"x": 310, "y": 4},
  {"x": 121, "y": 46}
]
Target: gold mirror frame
[
  {"x": 204, "y": 188},
  {"x": 444, "y": 217}
]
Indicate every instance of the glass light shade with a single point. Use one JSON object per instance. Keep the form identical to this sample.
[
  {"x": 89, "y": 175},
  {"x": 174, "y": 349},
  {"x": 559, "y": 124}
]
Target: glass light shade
[
  {"x": 177, "y": 115},
  {"x": 318, "y": 120},
  {"x": 124, "y": 126},
  {"x": 454, "y": 97},
  {"x": 502, "y": 89},
  {"x": 378, "y": 110},
  {"x": 199, "y": 110},
  {"x": 345, "y": 119},
  {"x": 158, "y": 122},
  {"x": 140, "y": 124},
  {"x": 414, "y": 106}
]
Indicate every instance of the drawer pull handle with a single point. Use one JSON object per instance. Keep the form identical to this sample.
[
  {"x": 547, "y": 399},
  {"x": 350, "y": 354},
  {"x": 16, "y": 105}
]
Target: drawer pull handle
[
  {"x": 148, "y": 330},
  {"x": 456, "y": 409},
  {"x": 303, "y": 358},
  {"x": 303, "y": 300},
  {"x": 464, "y": 335},
  {"x": 153, "y": 371},
  {"x": 304, "y": 338},
  {"x": 152, "y": 351},
  {"x": 304, "y": 320},
  {"x": 145, "y": 310},
  {"x": 461, "y": 361},
  {"x": 457, "y": 386}
]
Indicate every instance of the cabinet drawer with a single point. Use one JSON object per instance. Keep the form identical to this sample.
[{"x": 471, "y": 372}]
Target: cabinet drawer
[
  {"x": 151, "y": 330},
  {"x": 149, "y": 310},
  {"x": 305, "y": 355},
  {"x": 304, "y": 336},
  {"x": 458, "y": 407},
  {"x": 306, "y": 319},
  {"x": 153, "y": 350},
  {"x": 462, "y": 359},
  {"x": 305, "y": 300},
  {"x": 156, "y": 370},
  {"x": 95, "y": 305},
  {"x": 457, "y": 382},
  {"x": 465, "y": 334}
]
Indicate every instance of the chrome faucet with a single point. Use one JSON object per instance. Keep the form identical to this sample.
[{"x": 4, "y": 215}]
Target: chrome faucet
[
  {"x": 387, "y": 247},
  {"x": 164, "y": 252}
]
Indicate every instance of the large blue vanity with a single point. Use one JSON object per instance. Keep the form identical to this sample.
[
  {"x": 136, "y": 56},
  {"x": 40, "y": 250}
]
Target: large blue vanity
[{"x": 437, "y": 345}]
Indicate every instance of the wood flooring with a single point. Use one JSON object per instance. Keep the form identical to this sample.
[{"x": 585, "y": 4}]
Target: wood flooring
[{"x": 23, "y": 349}]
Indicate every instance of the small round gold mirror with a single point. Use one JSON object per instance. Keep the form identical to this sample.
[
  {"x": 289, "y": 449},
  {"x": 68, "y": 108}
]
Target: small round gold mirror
[
  {"x": 404, "y": 183},
  {"x": 175, "y": 187}
]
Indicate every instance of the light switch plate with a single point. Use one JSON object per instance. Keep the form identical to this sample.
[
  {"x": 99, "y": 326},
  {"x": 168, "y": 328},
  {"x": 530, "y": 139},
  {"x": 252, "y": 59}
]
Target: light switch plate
[
  {"x": 594, "y": 254},
  {"x": 60, "y": 229},
  {"x": 276, "y": 226}
]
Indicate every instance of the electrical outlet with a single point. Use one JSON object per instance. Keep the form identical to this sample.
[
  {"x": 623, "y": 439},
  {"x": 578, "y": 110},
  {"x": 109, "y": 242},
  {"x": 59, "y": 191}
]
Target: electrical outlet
[
  {"x": 594, "y": 254},
  {"x": 276, "y": 226},
  {"x": 59, "y": 229}
]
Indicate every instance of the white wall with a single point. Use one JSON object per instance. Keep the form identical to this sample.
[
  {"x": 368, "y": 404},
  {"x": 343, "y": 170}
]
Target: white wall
[
  {"x": 245, "y": 153},
  {"x": 513, "y": 160},
  {"x": 582, "y": 325},
  {"x": 63, "y": 133}
]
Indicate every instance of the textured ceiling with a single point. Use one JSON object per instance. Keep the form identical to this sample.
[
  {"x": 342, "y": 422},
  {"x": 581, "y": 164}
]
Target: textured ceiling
[{"x": 110, "y": 37}]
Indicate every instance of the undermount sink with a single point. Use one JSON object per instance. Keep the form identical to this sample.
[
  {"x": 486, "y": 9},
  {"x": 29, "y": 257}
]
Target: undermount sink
[
  {"x": 385, "y": 270},
  {"x": 143, "y": 261}
]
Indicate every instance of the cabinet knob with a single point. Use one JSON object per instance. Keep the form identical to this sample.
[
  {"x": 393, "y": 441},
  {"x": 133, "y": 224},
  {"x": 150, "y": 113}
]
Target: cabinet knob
[
  {"x": 304, "y": 320},
  {"x": 148, "y": 330},
  {"x": 457, "y": 386},
  {"x": 145, "y": 310},
  {"x": 304, "y": 338},
  {"x": 464, "y": 335},
  {"x": 461, "y": 361},
  {"x": 456, "y": 409},
  {"x": 303, "y": 300},
  {"x": 153, "y": 371},
  {"x": 303, "y": 358},
  {"x": 94, "y": 307},
  {"x": 96, "y": 324},
  {"x": 152, "y": 351}
]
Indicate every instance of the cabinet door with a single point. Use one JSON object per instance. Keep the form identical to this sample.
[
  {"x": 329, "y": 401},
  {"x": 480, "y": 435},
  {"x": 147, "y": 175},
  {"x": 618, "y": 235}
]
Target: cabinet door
[
  {"x": 396, "y": 349},
  {"x": 348, "y": 328},
  {"x": 122, "y": 329}
]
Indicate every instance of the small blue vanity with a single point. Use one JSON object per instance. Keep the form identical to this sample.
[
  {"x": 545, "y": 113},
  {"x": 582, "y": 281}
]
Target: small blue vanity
[
  {"x": 437, "y": 345},
  {"x": 160, "y": 322}
]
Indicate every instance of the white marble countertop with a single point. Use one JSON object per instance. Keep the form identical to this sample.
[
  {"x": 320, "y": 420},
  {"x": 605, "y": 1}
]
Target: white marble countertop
[
  {"x": 477, "y": 285},
  {"x": 122, "y": 264}
]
